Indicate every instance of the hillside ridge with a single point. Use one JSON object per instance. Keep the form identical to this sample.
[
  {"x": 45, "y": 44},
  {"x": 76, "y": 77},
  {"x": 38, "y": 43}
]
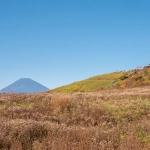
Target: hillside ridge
[{"x": 119, "y": 79}]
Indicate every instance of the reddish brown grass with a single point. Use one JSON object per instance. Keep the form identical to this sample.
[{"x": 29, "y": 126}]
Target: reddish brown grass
[{"x": 105, "y": 120}]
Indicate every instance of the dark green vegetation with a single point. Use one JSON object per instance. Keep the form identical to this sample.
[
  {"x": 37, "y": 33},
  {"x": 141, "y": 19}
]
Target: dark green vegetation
[
  {"x": 121, "y": 79},
  {"x": 114, "y": 119}
]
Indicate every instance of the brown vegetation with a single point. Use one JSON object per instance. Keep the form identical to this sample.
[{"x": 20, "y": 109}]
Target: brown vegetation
[{"x": 116, "y": 119}]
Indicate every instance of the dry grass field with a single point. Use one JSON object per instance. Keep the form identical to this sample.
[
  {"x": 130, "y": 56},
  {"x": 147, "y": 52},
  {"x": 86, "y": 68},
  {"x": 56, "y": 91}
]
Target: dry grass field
[{"x": 117, "y": 119}]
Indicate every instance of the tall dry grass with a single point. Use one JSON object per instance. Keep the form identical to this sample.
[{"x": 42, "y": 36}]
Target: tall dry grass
[{"x": 105, "y": 120}]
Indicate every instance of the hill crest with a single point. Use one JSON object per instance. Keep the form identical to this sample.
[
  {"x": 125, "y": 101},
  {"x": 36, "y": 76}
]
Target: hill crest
[{"x": 122, "y": 79}]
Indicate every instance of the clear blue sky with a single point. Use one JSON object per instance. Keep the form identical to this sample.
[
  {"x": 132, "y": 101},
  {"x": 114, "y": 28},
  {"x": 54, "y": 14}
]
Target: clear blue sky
[{"x": 56, "y": 42}]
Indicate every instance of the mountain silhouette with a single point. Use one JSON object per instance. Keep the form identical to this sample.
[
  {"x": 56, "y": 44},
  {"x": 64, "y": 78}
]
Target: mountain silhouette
[{"x": 24, "y": 85}]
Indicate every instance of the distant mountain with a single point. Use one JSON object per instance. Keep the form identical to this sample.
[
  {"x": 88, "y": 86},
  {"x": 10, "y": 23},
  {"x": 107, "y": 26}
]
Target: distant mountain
[{"x": 24, "y": 85}]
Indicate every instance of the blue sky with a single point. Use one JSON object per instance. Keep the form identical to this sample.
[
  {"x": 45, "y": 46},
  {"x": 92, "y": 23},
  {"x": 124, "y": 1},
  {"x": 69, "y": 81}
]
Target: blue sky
[{"x": 56, "y": 42}]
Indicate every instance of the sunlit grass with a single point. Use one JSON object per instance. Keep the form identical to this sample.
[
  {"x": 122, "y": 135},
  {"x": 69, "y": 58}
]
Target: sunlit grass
[{"x": 110, "y": 119}]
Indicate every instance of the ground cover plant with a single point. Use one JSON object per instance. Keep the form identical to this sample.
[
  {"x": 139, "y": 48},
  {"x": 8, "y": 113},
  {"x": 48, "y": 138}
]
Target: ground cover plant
[
  {"x": 119, "y": 79},
  {"x": 114, "y": 119}
]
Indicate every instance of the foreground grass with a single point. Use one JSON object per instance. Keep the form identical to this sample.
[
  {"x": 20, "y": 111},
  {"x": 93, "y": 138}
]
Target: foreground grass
[{"x": 106, "y": 120}]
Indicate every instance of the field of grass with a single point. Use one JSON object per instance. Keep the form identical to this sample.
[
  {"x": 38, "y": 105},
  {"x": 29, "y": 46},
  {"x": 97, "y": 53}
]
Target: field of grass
[
  {"x": 112, "y": 80},
  {"x": 95, "y": 83},
  {"x": 114, "y": 119}
]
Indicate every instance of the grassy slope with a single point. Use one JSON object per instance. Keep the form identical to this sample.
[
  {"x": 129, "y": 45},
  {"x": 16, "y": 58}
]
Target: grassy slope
[
  {"x": 107, "y": 81},
  {"x": 141, "y": 78},
  {"x": 92, "y": 84}
]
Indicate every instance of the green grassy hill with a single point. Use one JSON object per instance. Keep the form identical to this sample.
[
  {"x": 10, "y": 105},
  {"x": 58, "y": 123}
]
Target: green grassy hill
[{"x": 107, "y": 81}]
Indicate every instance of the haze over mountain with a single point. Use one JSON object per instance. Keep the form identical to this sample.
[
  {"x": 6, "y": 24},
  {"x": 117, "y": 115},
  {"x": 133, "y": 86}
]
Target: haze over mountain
[{"x": 24, "y": 85}]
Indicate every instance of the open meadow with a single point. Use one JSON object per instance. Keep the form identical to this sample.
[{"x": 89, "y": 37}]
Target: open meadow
[{"x": 116, "y": 119}]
